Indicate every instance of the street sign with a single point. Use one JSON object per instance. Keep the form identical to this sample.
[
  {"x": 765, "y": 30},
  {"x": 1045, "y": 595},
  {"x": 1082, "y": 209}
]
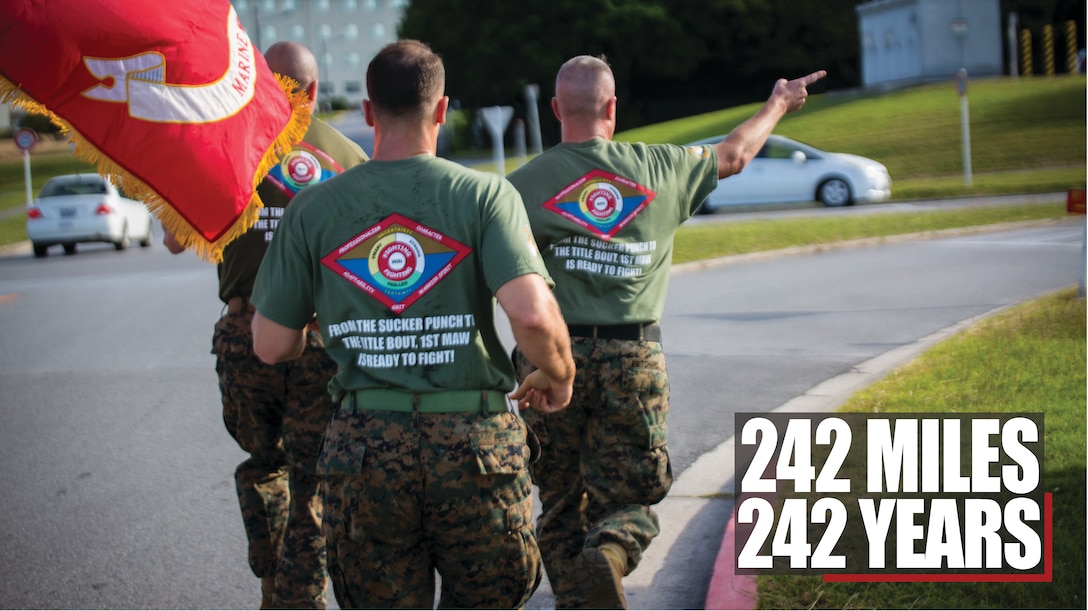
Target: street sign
[{"x": 25, "y": 138}]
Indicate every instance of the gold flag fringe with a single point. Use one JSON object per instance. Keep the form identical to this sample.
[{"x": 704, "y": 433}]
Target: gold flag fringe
[{"x": 135, "y": 188}]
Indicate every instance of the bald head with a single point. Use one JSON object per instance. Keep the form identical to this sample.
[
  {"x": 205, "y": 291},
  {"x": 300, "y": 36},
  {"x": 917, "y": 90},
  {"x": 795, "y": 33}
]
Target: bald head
[
  {"x": 584, "y": 87},
  {"x": 293, "y": 60}
]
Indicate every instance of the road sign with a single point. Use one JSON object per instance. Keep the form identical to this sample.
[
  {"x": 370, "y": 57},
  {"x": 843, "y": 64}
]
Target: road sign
[{"x": 25, "y": 138}]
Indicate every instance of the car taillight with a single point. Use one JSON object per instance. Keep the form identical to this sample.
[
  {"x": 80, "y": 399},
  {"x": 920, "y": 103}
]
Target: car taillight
[
  {"x": 103, "y": 208},
  {"x": 33, "y": 213}
]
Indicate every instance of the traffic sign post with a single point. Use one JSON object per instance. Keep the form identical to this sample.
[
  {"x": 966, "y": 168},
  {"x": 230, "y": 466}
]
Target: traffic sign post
[
  {"x": 961, "y": 86},
  {"x": 496, "y": 118},
  {"x": 25, "y": 139}
]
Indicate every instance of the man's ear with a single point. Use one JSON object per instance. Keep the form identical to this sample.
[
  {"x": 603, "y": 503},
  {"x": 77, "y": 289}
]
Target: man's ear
[
  {"x": 311, "y": 92},
  {"x": 610, "y": 109},
  {"x": 368, "y": 112},
  {"x": 440, "y": 109},
  {"x": 555, "y": 109}
]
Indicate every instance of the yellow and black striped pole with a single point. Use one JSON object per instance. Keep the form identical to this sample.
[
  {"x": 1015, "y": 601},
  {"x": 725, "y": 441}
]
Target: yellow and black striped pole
[
  {"x": 1048, "y": 49},
  {"x": 1026, "y": 60},
  {"x": 1071, "y": 46}
]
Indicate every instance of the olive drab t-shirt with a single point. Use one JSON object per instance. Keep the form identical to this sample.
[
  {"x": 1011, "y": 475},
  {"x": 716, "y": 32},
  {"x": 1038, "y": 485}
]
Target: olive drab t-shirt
[
  {"x": 322, "y": 154},
  {"x": 604, "y": 214},
  {"x": 400, "y": 260}
]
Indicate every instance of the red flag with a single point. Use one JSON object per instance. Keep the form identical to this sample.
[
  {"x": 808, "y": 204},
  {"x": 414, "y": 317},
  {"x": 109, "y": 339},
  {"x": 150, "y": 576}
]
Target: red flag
[{"x": 171, "y": 98}]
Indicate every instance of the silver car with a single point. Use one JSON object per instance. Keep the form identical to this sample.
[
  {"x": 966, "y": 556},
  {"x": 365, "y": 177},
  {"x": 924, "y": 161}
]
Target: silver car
[
  {"x": 76, "y": 208},
  {"x": 786, "y": 170}
]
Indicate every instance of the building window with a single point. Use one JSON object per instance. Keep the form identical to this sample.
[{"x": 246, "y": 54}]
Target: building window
[
  {"x": 399, "y": 4},
  {"x": 324, "y": 31},
  {"x": 268, "y": 34},
  {"x": 377, "y": 31},
  {"x": 349, "y": 6},
  {"x": 353, "y": 59},
  {"x": 289, "y": 5},
  {"x": 351, "y": 31},
  {"x": 353, "y": 87},
  {"x": 370, "y": 5},
  {"x": 298, "y": 33},
  {"x": 322, "y": 5},
  {"x": 240, "y": 6},
  {"x": 268, "y": 5},
  {"x": 326, "y": 88}
]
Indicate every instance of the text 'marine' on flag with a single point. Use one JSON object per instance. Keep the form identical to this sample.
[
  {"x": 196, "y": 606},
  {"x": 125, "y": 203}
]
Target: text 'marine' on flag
[{"x": 170, "y": 99}]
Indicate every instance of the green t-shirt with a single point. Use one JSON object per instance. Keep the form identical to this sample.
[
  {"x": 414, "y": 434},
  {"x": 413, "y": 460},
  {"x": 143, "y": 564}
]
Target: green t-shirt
[
  {"x": 322, "y": 154},
  {"x": 400, "y": 260},
  {"x": 604, "y": 214}
]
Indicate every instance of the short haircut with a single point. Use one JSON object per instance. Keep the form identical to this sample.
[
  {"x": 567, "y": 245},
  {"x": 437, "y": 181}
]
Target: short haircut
[
  {"x": 584, "y": 85},
  {"x": 293, "y": 60},
  {"x": 404, "y": 78}
]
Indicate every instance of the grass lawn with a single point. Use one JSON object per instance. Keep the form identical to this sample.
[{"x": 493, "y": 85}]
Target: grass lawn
[{"x": 1028, "y": 359}]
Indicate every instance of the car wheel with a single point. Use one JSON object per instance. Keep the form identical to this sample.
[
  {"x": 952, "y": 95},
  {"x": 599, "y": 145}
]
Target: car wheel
[
  {"x": 834, "y": 192},
  {"x": 146, "y": 241},
  {"x": 40, "y": 250},
  {"x": 122, "y": 244},
  {"x": 69, "y": 248}
]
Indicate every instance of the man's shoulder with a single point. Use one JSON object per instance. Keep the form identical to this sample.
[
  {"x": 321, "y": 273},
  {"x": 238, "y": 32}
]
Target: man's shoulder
[{"x": 326, "y": 137}]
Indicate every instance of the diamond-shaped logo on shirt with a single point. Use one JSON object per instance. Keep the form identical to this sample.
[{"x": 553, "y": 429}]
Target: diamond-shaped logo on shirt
[
  {"x": 396, "y": 261},
  {"x": 602, "y": 202}
]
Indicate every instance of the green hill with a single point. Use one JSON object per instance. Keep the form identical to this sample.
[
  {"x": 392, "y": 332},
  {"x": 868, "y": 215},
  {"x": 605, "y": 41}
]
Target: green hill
[{"x": 1034, "y": 125}]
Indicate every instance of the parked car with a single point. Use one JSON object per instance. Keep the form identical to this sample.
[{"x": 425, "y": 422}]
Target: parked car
[
  {"x": 786, "y": 170},
  {"x": 77, "y": 208}
]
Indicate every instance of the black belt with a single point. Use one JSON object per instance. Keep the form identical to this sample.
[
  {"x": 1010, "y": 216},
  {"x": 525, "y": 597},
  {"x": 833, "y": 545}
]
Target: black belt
[{"x": 649, "y": 332}]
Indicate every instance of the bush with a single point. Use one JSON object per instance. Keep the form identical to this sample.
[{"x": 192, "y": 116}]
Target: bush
[
  {"x": 39, "y": 123},
  {"x": 339, "y": 102}
]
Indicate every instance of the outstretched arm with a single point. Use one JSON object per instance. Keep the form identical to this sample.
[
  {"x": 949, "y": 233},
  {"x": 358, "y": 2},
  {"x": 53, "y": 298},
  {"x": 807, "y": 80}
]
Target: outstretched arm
[{"x": 746, "y": 139}]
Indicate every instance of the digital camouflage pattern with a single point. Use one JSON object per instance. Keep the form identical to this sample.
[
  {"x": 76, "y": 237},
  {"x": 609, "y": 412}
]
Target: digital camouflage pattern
[
  {"x": 605, "y": 458},
  {"x": 407, "y": 493},
  {"x": 278, "y": 414}
]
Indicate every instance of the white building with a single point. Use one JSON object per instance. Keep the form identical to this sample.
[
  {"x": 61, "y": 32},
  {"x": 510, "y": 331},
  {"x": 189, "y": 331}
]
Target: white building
[
  {"x": 344, "y": 35},
  {"x": 913, "y": 41}
]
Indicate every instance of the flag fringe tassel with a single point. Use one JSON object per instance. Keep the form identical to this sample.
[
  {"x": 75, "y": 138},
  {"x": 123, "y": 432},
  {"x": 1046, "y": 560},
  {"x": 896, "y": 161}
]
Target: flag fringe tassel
[{"x": 135, "y": 188}]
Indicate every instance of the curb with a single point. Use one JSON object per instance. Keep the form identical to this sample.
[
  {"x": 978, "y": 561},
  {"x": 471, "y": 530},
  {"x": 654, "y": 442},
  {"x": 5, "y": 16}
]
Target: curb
[{"x": 694, "y": 266}]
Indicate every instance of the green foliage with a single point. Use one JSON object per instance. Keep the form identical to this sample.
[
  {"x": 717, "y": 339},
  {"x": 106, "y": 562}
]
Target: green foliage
[
  {"x": 339, "y": 102},
  {"x": 39, "y": 123},
  {"x": 489, "y": 60}
]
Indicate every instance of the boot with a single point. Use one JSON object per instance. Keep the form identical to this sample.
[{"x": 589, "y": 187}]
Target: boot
[{"x": 598, "y": 573}]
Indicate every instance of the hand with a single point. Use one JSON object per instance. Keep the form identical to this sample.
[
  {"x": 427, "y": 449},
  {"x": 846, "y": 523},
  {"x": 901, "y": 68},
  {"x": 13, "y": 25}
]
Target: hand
[
  {"x": 793, "y": 93},
  {"x": 538, "y": 391}
]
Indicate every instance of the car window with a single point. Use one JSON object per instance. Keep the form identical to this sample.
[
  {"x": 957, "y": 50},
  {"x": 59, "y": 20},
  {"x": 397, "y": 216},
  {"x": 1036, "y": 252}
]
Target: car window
[
  {"x": 57, "y": 189},
  {"x": 777, "y": 151}
]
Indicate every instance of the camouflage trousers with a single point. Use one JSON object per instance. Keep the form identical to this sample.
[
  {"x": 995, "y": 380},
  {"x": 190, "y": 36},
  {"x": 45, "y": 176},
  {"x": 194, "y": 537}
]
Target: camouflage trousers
[
  {"x": 604, "y": 459},
  {"x": 409, "y": 493},
  {"x": 278, "y": 414}
]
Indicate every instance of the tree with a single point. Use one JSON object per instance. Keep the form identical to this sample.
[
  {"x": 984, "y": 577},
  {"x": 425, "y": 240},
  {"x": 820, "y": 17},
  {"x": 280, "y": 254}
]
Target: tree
[{"x": 492, "y": 48}]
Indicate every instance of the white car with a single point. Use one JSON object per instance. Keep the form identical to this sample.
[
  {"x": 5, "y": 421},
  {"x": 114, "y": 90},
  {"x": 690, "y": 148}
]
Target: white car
[
  {"x": 786, "y": 171},
  {"x": 77, "y": 208}
]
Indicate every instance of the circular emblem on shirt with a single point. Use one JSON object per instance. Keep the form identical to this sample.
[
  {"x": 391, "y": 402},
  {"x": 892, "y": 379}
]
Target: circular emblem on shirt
[
  {"x": 301, "y": 168},
  {"x": 396, "y": 260},
  {"x": 601, "y": 202}
]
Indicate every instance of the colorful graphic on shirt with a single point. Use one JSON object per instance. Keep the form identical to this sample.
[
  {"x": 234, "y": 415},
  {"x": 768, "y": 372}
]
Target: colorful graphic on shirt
[
  {"x": 303, "y": 166},
  {"x": 396, "y": 261},
  {"x": 602, "y": 202}
]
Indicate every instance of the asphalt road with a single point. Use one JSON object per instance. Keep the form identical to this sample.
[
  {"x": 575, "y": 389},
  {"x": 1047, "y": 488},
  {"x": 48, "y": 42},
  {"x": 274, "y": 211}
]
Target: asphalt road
[{"x": 118, "y": 471}]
